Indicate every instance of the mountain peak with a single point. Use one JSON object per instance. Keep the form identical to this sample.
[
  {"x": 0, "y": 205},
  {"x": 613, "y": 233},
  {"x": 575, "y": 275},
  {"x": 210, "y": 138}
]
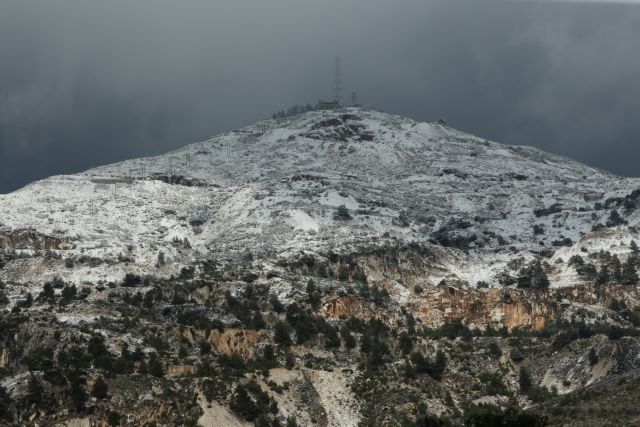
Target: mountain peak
[{"x": 322, "y": 181}]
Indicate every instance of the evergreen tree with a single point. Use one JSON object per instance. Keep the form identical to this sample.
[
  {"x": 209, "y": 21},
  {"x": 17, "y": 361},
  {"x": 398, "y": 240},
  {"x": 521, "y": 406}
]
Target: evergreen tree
[
  {"x": 593, "y": 356},
  {"x": 155, "y": 366},
  {"x": 603, "y": 276},
  {"x": 524, "y": 380},
  {"x": 48, "y": 293},
  {"x": 332, "y": 339},
  {"x": 539, "y": 279},
  {"x": 405, "y": 342},
  {"x": 533, "y": 276},
  {"x": 5, "y": 405},
  {"x": 282, "y": 335},
  {"x": 113, "y": 418},
  {"x": 439, "y": 365},
  {"x": 342, "y": 213},
  {"x": 629, "y": 273},
  {"x": 100, "y": 389},
  {"x": 314, "y": 296},
  {"x": 347, "y": 337},
  {"x": 365, "y": 342},
  {"x": 35, "y": 391},
  {"x": 76, "y": 391},
  {"x": 242, "y": 404},
  {"x": 148, "y": 300},
  {"x": 615, "y": 219},
  {"x": 616, "y": 271}
]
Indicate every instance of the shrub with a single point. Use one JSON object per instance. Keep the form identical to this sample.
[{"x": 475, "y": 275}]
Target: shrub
[
  {"x": 615, "y": 219},
  {"x": 342, "y": 213},
  {"x": 131, "y": 280},
  {"x": 3, "y": 298},
  {"x": 100, "y": 389},
  {"x": 35, "y": 390},
  {"x": 155, "y": 366},
  {"x": 533, "y": 276},
  {"x": 282, "y": 333},
  {"x": 524, "y": 380},
  {"x": 76, "y": 391},
  {"x": 629, "y": 273},
  {"x": 113, "y": 418},
  {"x": 5, "y": 405},
  {"x": 493, "y": 384},
  {"x": 494, "y": 350},
  {"x": 332, "y": 339},
  {"x": 487, "y": 415},
  {"x": 347, "y": 337}
]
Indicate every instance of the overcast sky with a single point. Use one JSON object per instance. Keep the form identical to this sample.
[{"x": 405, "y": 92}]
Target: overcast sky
[{"x": 85, "y": 82}]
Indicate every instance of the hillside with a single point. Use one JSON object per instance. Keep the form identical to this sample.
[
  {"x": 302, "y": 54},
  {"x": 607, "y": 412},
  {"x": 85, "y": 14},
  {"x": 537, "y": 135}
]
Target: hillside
[{"x": 337, "y": 267}]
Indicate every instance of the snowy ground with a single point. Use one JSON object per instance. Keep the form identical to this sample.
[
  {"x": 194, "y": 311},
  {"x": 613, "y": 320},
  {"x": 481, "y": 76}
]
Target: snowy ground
[{"x": 273, "y": 189}]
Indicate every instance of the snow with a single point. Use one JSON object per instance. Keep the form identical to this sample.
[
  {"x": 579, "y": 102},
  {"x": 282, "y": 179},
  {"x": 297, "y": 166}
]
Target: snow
[
  {"x": 303, "y": 221},
  {"x": 272, "y": 189}
]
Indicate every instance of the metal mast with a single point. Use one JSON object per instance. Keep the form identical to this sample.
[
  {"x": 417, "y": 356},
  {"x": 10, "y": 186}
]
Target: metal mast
[{"x": 337, "y": 81}]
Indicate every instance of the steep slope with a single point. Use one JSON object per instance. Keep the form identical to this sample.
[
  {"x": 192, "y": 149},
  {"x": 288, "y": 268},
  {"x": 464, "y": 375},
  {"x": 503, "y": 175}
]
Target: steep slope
[{"x": 273, "y": 189}]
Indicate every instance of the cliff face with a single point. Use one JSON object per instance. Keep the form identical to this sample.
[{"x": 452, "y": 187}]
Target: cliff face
[
  {"x": 32, "y": 240},
  {"x": 498, "y": 308}
]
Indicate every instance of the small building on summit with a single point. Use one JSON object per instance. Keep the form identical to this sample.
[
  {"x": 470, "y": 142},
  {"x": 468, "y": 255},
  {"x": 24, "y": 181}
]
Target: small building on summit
[{"x": 328, "y": 105}]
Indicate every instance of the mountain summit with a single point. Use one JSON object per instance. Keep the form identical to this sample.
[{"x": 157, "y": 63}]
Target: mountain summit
[{"x": 345, "y": 181}]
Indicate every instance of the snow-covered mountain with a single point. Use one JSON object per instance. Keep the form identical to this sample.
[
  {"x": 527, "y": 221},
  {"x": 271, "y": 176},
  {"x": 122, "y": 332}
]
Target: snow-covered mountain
[
  {"x": 337, "y": 268},
  {"x": 275, "y": 190}
]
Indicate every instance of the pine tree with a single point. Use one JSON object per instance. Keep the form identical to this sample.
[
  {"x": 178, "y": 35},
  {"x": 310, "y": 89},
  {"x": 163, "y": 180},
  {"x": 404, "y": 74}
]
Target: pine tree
[
  {"x": 629, "y": 273},
  {"x": 35, "y": 390},
  {"x": 439, "y": 365},
  {"x": 347, "y": 337},
  {"x": 100, "y": 389},
  {"x": 332, "y": 339},
  {"x": 616, "y": 272},
  {"x": 524, "y": 380},
  {"x": 282, "y": 335},
  {"x": 5, "y": 405},
  {"x": 155, "y": 366},
  {"x": 242, "y": 404},
  {"x": 539, "y": 279},
  {"x": 77, "y": 393},
  {"x": 603, "y": 276}
]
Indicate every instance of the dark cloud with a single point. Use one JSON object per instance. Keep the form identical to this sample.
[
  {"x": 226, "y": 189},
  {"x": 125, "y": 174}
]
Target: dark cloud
[{"x": 84, "y": 83}]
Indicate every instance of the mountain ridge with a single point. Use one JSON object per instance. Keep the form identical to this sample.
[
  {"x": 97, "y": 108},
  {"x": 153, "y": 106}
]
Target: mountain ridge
[{"x": 274, "y": 188}]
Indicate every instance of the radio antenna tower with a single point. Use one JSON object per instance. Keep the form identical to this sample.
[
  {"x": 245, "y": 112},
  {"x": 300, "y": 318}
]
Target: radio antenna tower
[{"x": 337, "y": 80}]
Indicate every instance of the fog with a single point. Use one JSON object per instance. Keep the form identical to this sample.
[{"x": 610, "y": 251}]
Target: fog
[{"x": 84, "y": 83}]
